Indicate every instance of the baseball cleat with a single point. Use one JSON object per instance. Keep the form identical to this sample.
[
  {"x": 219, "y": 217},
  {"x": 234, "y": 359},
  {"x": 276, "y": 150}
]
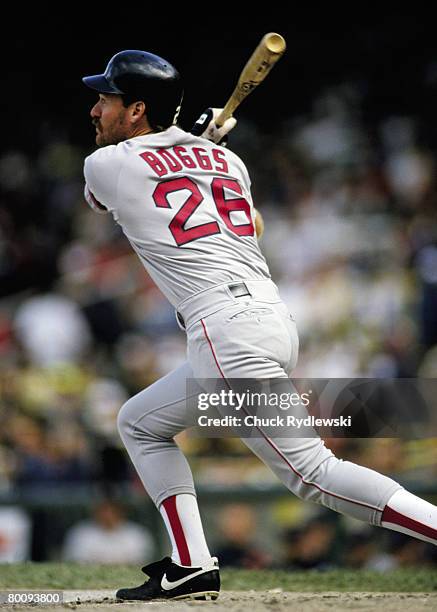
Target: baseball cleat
[{"x": 169, "y": 580}]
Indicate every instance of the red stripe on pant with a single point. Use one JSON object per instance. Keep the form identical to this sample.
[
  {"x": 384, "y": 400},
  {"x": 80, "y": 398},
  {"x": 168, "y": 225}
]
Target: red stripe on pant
[
  {"x": 177, "y": 529},
  {"x": 276, "y": 449},
  {"x": 396, "y": 518}
]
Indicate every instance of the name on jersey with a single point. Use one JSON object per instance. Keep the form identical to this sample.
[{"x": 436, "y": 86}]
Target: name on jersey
[{"x": 177, "y": 158}]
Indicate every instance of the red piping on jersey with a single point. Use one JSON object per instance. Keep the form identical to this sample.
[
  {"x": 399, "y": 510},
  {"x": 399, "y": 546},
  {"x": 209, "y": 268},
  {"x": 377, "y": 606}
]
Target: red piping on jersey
[
  {"x": 276, "y": 449},
  {"x": 177, "y": 529},
  {"x": 396, "y": 518},
  {"x": 96, "y": 202}
]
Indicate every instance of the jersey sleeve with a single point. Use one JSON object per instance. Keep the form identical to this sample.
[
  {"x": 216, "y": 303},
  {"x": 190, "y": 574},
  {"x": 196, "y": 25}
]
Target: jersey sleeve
[
  {"x": 101, "y": 171},
  {"x": 93, "y": 202}
]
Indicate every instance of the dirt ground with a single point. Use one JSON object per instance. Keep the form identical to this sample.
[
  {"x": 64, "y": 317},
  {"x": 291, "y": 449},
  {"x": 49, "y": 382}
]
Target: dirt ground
[{"x": 257, "y": 601}]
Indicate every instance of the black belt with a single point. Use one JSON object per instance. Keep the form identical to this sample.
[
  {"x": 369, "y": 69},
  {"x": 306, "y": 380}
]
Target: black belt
[{"x": 237, "y": 290}]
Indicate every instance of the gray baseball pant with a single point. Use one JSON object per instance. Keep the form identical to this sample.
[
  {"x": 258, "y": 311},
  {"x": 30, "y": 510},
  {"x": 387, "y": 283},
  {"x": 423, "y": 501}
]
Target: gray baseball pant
[{"x": 229, "y": 337}]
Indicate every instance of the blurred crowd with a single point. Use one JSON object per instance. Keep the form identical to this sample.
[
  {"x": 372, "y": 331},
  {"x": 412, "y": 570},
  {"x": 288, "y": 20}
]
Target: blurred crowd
[
  {"x": 292, "y": 538},
  {"x": 351, "y": 241}
]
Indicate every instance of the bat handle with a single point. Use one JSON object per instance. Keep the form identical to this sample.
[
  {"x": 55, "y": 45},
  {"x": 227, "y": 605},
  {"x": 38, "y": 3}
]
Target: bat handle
[{"x": 225, "y": 114}]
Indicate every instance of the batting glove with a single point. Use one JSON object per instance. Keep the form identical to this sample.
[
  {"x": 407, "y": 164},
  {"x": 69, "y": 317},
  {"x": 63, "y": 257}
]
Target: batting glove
[{"x": 205, "y": 126}]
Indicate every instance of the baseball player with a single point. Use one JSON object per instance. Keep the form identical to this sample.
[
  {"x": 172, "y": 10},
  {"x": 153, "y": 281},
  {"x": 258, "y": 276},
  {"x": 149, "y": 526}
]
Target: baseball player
[{"x": 184, "y": 203}]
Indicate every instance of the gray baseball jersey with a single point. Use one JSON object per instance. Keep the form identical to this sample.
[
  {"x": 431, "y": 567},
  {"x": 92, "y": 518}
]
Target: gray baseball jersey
[{"x": 185, "y": 206}]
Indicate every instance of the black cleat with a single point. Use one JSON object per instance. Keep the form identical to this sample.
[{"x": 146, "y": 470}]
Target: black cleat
[{"x": 168, "y": 580}]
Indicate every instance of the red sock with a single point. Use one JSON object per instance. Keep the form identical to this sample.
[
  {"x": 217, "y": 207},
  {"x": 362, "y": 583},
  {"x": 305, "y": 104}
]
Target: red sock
[
  {"x": 184, "y": 526},
  {"x": 412, "y": 515}
]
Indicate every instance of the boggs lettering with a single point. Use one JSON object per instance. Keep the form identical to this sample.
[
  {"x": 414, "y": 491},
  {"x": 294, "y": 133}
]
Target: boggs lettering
[{"x": 175, "y": 159}]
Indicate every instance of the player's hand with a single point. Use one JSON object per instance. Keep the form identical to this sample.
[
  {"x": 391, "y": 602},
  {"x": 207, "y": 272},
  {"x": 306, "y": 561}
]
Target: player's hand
[{"x": 205, "y": 126}]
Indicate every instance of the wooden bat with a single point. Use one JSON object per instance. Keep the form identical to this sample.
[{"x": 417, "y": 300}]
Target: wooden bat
[{"x": 262, "y": 60}]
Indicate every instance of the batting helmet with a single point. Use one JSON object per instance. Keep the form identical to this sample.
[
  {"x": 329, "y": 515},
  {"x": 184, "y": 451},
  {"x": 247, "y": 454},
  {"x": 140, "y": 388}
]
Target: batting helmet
[{"x": 138, "y": 75}]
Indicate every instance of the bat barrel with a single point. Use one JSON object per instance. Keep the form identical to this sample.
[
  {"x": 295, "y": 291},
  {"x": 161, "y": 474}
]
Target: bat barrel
[{"x": 265, "y": 56}]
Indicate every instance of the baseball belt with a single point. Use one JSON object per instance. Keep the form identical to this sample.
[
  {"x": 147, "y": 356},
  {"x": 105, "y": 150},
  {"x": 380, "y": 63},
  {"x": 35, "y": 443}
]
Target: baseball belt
[{"x": 211, "y": 300}]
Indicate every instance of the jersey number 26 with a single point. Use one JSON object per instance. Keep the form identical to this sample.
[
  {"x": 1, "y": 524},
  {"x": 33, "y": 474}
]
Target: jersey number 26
[{"x": 225, "y": 206}]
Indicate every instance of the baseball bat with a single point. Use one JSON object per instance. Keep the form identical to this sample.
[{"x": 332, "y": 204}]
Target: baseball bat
[{"x": 262, "y": 60}]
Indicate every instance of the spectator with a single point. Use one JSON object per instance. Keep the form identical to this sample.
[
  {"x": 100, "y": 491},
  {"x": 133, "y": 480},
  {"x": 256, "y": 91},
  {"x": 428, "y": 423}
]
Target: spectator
[
  {"x": 237, "y": 547},
  {"x": 108, "y": 538},
  {"x": 15, "y": 532},
  {"x": 311, "y": 547},
  {"x": 47, "y": 459},
  {"x": 52, "y": 329}
]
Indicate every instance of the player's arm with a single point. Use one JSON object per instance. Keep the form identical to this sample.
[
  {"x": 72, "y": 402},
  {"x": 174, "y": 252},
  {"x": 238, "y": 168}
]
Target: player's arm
[
  {"x": 93, "y": 202},
  {"x": 101, "y": 172}
]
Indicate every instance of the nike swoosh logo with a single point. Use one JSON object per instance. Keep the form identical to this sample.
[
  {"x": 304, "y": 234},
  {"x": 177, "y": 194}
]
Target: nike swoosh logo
[{"x": 168, "y": 586}]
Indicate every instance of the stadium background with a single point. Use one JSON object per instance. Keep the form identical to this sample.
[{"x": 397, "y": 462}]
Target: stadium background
[{"x": 341, "y": 145}]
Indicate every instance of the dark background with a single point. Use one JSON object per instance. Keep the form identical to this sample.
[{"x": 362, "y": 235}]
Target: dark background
[{"x": 390, "y": 56}]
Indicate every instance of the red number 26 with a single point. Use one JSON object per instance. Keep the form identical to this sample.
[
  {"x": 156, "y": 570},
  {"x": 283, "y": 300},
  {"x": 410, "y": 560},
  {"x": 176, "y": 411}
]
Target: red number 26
[{"x": 225, "y": 206}]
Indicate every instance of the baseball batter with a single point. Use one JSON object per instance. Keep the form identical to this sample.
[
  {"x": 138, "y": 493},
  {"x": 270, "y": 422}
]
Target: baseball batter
[{"x": 184, "y": 204}]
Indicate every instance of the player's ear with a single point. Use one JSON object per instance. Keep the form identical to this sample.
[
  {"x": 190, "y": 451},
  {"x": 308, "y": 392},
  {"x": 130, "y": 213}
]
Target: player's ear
[{"x": 138, "y": 110}]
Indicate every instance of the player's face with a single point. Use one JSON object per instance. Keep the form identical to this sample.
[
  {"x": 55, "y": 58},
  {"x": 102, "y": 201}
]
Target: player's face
[{"x": 110, "y": 119}]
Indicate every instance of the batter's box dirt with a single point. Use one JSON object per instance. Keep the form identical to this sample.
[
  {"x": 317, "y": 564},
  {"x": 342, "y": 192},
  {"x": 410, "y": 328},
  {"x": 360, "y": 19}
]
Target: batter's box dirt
[{"x": 257, "y": 601}]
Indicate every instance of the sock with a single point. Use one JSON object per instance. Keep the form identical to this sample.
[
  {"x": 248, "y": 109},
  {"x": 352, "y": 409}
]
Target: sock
[
  {"x": 412, "y": 515},
  {"x": 184, "y": 526}
]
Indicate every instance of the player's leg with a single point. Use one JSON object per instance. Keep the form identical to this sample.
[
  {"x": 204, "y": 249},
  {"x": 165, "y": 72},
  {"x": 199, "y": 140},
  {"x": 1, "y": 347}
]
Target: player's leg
[
  {"x": 313, "y": 473},
  {"x": 412, "y": 515},
  {"x": 245, "y": 348},
  {"x": 147, "y": 424}
]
